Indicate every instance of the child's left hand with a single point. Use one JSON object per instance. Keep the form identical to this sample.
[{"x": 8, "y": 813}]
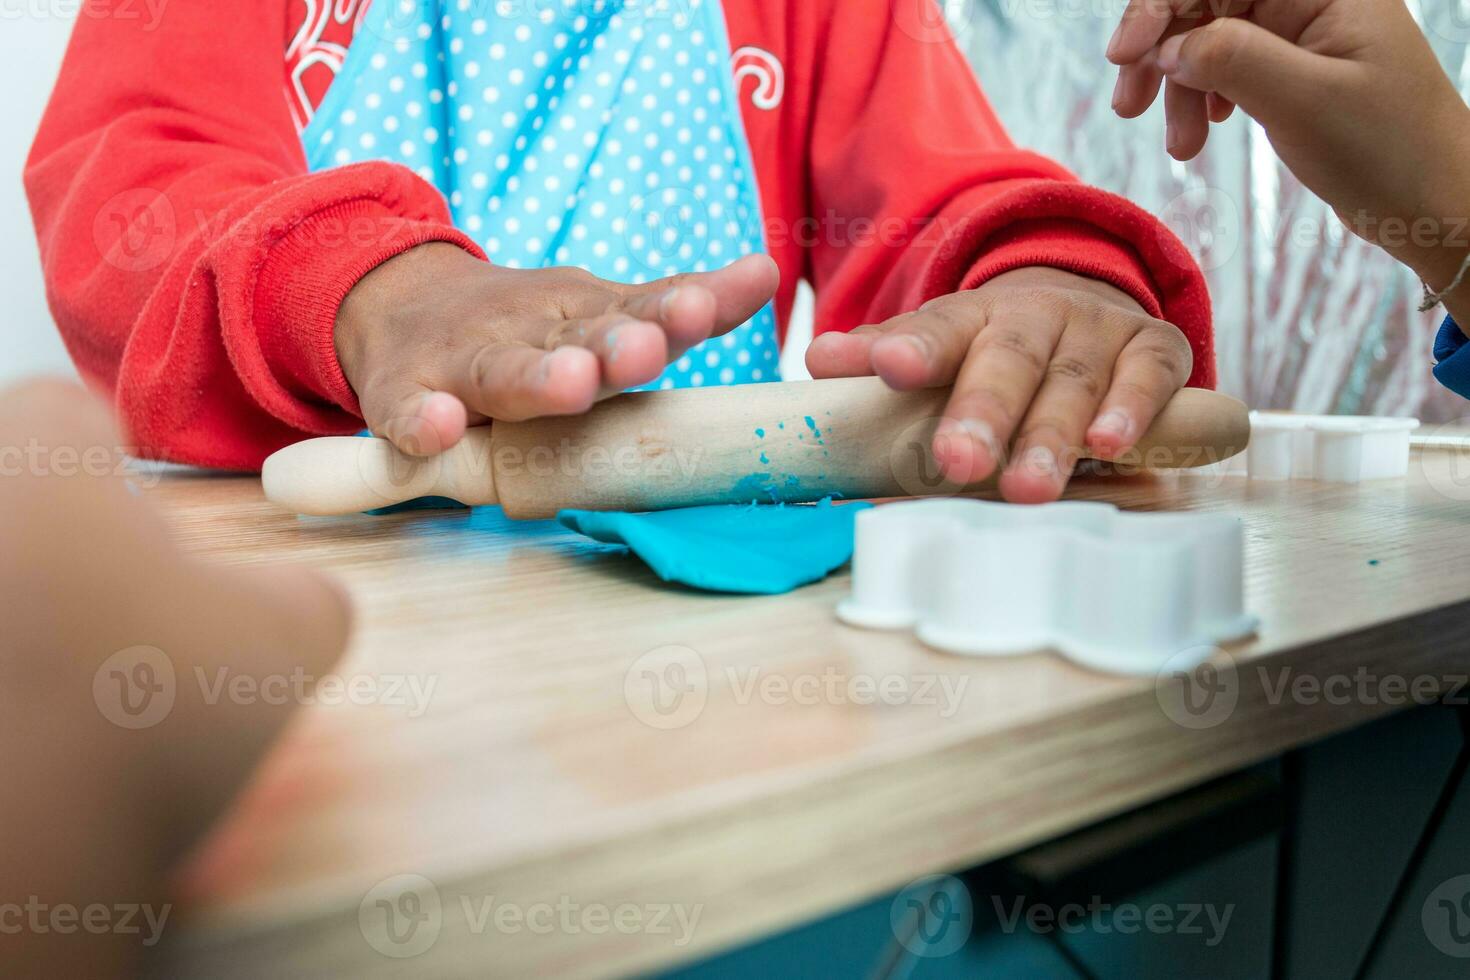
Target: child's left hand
[{"x": 1042, "y": 360}]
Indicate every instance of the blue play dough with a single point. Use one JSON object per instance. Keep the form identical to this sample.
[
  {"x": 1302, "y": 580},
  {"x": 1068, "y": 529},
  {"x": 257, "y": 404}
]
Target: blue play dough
[{"x": 760, "y": 549}]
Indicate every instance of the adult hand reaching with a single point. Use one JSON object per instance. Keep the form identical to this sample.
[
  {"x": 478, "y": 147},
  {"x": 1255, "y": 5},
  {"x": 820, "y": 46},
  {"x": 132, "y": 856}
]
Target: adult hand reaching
[{"x": 1348, "y": 91}]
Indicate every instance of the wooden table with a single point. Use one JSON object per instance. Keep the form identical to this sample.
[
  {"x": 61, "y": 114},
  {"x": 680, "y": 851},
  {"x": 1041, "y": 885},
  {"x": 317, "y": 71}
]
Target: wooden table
[{"x": 613, "y": 747}]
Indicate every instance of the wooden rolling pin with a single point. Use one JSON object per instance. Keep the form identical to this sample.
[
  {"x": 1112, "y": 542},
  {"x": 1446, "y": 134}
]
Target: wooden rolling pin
[{"x": 853, "y": 438}]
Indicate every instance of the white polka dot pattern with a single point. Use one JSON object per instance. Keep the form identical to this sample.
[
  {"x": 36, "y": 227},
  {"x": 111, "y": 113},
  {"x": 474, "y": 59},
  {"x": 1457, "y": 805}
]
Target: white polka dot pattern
[{"x": 566, "y": 132}]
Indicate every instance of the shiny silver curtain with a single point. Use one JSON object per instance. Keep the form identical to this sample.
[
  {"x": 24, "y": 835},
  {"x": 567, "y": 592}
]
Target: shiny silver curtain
[{"x": 1307, "y": 316}]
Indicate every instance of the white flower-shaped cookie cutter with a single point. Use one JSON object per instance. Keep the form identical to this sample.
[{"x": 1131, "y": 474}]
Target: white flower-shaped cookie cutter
[{"x": 1114, "y": 591}]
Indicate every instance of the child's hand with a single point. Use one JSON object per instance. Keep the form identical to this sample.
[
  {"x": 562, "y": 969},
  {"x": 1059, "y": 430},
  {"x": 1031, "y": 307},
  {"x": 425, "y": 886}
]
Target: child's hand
[
  {"x": 1041, "y": 357},
  {"x": 110, "y": 633},
  {"x": 435, "y": 340},
  {"x": 1348, "y": 91}
]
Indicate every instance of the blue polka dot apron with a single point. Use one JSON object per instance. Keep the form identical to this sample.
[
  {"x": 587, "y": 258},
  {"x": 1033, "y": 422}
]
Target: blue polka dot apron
[{"x": 604, "y": 134}]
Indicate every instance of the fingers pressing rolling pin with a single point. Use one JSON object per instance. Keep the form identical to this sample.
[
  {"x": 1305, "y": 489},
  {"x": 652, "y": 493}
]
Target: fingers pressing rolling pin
[{"x": 851, "y": 438}]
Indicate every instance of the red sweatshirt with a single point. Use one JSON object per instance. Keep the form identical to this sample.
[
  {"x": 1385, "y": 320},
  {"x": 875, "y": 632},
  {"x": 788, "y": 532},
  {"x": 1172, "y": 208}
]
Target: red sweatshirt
[{"x": 195, "y": 267}]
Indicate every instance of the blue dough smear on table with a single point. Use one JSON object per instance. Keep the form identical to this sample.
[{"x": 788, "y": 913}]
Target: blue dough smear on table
[{"x": 752, "y": 549}]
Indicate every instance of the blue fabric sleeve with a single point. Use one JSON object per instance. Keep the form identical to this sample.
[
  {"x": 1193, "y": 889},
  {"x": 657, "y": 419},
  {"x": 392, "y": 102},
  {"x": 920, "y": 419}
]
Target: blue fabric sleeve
[{"x": 1452, "y": 358}]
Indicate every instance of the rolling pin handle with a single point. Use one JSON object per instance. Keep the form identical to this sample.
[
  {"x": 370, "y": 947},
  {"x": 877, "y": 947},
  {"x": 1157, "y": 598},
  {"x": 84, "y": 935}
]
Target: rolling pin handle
[{"x": 344, "y": 475}]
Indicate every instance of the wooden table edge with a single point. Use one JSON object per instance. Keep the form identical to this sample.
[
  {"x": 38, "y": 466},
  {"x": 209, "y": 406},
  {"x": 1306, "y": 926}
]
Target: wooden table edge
[{"x": 753, "y": 865}]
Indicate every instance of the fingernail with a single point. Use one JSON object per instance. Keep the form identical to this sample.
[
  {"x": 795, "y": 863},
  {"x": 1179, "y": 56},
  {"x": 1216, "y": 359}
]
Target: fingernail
[
  {"x": 1118, "y": 92},
  {"x": 1039, "y": 461},
  {"x": 550, "y": 359},
  {"x": 1168, "y": 59},
  {"x": 1113, "y": 41},
  {"x": 666, "y": 305},
  {"x": 1113, "y": 423},
  {"x": 1171, "y": 137},
  {"x": 982, "y": 433},
  {"x": 973, "y": 429},
  {"x": 918, "y": 344}
]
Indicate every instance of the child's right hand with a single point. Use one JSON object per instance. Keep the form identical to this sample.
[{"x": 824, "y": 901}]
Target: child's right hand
[
  {"x": 1348, "y": 91},
  {"x": 435, "y": 340}
]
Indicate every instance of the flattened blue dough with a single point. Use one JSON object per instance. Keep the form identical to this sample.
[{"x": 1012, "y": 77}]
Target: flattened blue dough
[{"x": 760, "y": 549}]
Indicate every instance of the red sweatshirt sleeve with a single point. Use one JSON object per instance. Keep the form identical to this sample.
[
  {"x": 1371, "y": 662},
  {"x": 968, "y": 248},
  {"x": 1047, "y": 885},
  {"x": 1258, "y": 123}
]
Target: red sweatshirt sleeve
[
  {"x": 192, "y": 263},
  {"x": 905, "y": 149}
]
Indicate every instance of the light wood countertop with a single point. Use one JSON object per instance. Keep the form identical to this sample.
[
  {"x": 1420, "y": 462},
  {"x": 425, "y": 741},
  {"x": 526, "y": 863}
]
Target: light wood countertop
[{"x": 808, "y": 765}]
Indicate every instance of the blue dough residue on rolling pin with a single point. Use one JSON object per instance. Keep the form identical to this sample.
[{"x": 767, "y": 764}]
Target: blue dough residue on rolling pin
[{"x": 751, "y": 549}]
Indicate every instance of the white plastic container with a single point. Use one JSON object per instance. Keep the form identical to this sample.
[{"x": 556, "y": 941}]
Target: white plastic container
[
  {"x": 1114, "y": 591},
  {"x": 1334, "y": 448}
]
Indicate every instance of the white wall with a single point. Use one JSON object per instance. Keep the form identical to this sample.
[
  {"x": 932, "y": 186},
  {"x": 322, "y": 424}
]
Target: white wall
[{"x": 32, "y": 38}]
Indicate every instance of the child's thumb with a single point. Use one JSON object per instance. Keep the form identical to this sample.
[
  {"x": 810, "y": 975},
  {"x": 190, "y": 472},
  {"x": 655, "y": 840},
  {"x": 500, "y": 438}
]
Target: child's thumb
[{"x": 1278, "y": 83}]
